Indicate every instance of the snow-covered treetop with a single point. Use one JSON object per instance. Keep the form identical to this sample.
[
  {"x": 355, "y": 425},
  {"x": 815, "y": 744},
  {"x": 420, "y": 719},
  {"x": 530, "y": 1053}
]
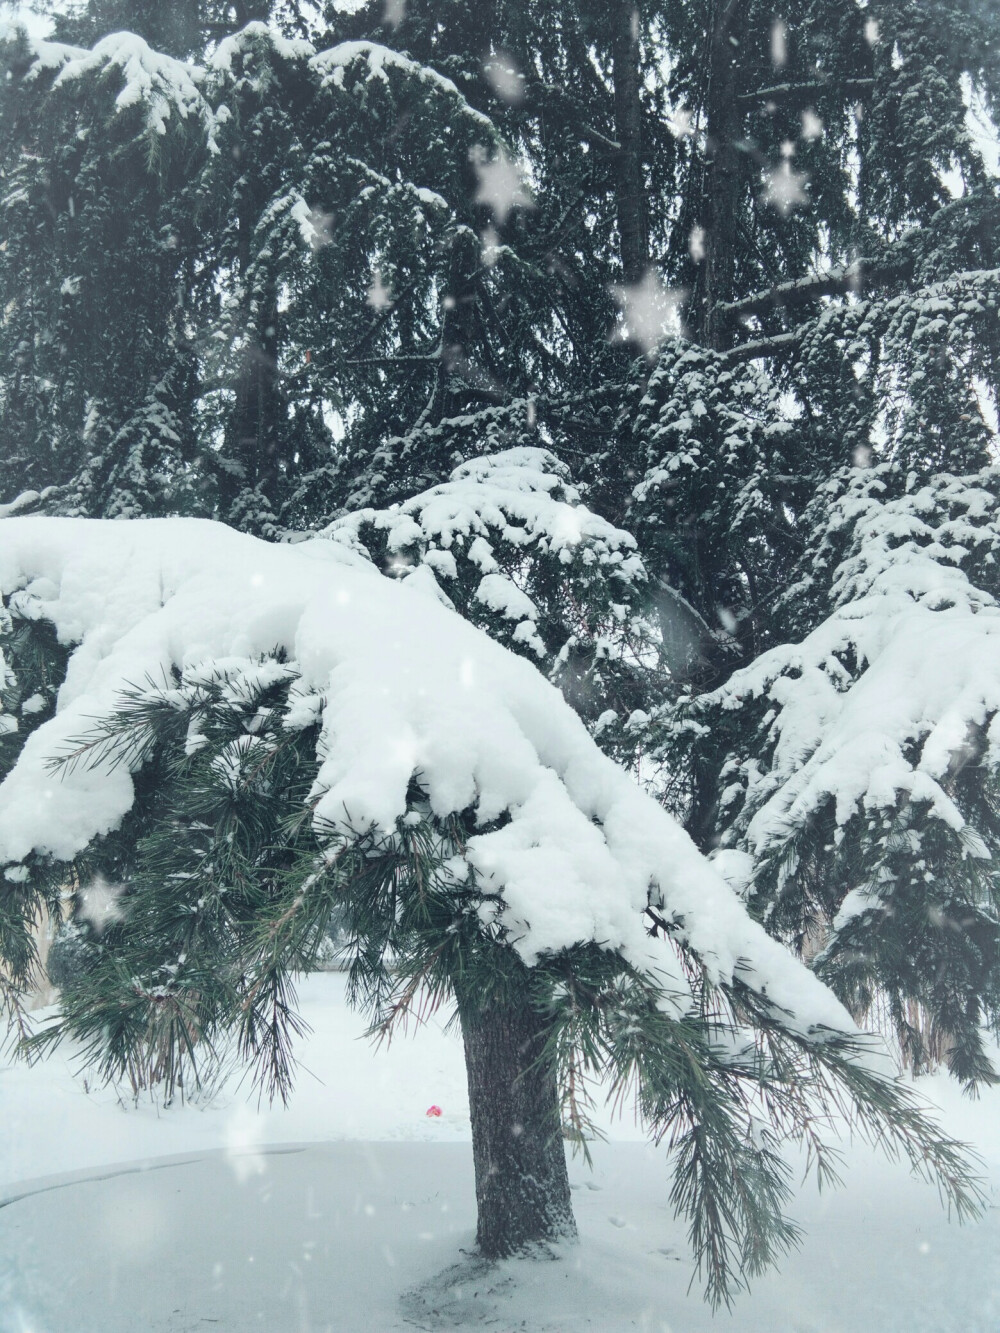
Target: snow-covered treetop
[{"x": 408, "y": 692}]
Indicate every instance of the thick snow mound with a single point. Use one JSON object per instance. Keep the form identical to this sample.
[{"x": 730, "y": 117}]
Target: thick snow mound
[{"x": 409, "y": 690}]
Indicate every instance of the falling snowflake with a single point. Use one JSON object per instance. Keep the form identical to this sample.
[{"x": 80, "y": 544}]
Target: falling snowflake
[
  {"x": 812, "y": 126},
  {"x": 779, "y": 44},
  {"x": 505, "y": 78},
  {"x": 681, "y": 123},
  {"x": 696, "y": 244},
  {"x": 501, "y": 183},
  {"x": 98, "y": 903},
  {"x": 491, "y": 246},
  {"x": 379, "y": 295},
  {"x": 872, "y": 33},
  {"x": 317, "y": 228},
  {"x": 784, "y": 189},
  {"x": 394, "y": 13},
  {"x": 649, "y": 312},
  {"x": 243, "y": 1144}
]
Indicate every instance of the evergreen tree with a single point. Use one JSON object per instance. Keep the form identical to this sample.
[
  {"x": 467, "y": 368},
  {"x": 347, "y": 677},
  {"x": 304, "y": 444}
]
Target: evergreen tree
[
  {"x": 843, "y": 299},
  {"x": 335, "y": 274},
  {"x": 482, "y": 852}
]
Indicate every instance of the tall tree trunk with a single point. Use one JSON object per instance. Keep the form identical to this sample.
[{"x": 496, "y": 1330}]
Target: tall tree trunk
[
  {"x": 522, "y": 1186},
  {"x": 632, "y": 223},
  {"x": 719, "y": 207}
]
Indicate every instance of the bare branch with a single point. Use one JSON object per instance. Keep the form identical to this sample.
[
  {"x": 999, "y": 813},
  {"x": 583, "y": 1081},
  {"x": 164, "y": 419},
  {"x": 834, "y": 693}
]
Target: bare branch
[{"x": 802, "y": 93}]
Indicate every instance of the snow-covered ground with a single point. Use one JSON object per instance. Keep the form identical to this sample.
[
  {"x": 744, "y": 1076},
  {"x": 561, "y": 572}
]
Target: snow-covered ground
[{"x": 353, "y": 1210}]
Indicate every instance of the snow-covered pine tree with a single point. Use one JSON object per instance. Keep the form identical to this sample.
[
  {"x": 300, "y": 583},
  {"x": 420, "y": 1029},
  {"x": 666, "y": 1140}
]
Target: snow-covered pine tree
[
  {"x": 860, "y": 768},
  {"x": 251, "y": 735},
  {"x": 94, "y": 269},
  {"x": 840, "y": 254},
  {"x": 433, "y": 294},
  {"x": 507, "y": 542},
  {"x": 302, "y": 252},
  {"x": 356, "y": 316}
]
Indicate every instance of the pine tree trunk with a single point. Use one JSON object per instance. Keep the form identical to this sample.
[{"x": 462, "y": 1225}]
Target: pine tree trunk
[
  {"x": 522, "y": 1185},
  {"x": 725, "y": 166},
  {"x": 632, "y": 228}
]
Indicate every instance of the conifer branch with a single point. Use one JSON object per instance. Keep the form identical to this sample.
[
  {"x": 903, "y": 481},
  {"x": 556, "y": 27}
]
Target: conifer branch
[
  {"x": 852, "y": 278},
  {"x": 801, "y": 94}
]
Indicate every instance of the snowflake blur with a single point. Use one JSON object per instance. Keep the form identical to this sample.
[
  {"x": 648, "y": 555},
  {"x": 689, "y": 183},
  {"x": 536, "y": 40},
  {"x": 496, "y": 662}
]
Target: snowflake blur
[
  {"x": 97, "y": 903},
  {"x": 784, "y": 189},
  {"x": 502, "y": 185},
  {"x": 649, "y": 311}
]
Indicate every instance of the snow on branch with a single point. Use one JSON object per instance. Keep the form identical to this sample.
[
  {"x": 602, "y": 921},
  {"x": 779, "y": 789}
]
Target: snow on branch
[
  {"x": 409, "y": 692},
  {"x": 169, "y": 87},
  {"x": 331, "y": 66},
  {"x": 801, "y": 94},
  {"x": 838, "y": 282},
  {"x": 491, "y": 521},
  {"x": 162, "y": 85},
  {"x": 879, "y": 702}
]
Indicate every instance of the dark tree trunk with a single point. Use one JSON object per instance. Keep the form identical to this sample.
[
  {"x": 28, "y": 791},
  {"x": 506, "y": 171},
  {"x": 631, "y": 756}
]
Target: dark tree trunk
[
  {"x": 724, "y": 178},
  {"x": 632, "y": 225},
  {"x": 252, "y": 439},
  {"x": 522, "y": 1186}
]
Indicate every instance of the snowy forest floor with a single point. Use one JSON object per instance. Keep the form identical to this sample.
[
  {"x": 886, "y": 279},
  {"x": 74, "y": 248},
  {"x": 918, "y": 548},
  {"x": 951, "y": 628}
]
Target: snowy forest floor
[{"x": 354, "y": 1210}]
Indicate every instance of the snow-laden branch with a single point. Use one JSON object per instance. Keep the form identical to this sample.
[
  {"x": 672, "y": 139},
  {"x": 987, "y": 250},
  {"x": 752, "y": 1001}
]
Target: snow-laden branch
[
  {"x": 851, "y": 278},
  {"x": 883, "y": 699},
  {"x": 167, "y": 87},
  {"x": 408, "y": 692},
  {"x": 760, "y": 348},
  {"x": 485, "y": 527},
  {"x": 977, "y": 289}
]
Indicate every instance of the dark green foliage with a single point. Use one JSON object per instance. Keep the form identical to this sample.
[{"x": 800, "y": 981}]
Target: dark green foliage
[
  {"x": 226, "y": 886},
  {"x": 72, "y": 953}
]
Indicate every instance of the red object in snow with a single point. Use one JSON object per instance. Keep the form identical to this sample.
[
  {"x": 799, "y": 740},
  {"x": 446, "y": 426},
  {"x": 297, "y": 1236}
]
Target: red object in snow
[{"x": 433, "y": 1110}]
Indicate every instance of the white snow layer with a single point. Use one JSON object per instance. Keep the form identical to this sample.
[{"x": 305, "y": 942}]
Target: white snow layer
[
  {"x": 166, "y": 86},
  {"x": 520, "y": 498},
  {"x": 159, "y": 82},
  {"x": 886, "y": 696},
  {"x": 411, "y": 689}
]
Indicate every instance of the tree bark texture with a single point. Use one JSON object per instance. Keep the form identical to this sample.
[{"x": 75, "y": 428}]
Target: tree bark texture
[
  {"x": 724, "y": 180},
  {"x": 631, "y": 202},
  {"x": 522, "y": 1185}
]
